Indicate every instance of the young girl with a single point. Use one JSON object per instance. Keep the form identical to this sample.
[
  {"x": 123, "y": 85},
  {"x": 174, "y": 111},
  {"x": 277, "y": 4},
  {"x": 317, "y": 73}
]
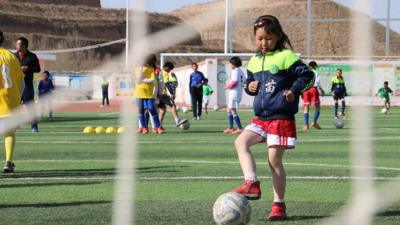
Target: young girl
[
  {"x": 276, "y": 77},
  {"x": 46, "y": 86},
  {"x": 145, "y": 96},
  {"x": 338, "y": 89},
  {"x": 207, "y": 91},
  {"x": 235, "y": 89},
  {"x": 384, "y": 94}
]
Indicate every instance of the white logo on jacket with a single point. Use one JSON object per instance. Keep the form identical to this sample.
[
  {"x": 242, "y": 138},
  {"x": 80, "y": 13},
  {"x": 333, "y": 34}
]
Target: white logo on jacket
[{"x": 270, "y": 86}]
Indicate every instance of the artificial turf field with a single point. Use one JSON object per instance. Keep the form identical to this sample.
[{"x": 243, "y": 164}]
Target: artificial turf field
[{"x": 66, "y": 177}]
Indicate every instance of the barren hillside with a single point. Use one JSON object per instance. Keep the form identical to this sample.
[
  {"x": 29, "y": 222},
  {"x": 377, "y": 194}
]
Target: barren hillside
[
  {"x": 81, "y": 23},
  {"x": 328, "y": 38},
  {"x": 92, "y": 3},
  {"x": 71, "y": 26}
]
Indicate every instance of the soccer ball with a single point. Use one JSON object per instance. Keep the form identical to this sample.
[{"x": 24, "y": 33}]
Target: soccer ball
[
  {"x": 185, "y": 125},
  {"x": 185, "y": 109},
  {"x": 232, "y": 209},
  {"x": 216, "y": 108},
  {"x": 384, "y": 110},
  {"x": 339, "y": 123}
]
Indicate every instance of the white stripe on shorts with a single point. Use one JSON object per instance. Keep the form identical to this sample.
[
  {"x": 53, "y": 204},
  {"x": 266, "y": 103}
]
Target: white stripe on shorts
[{"x": 272, "y": 139}]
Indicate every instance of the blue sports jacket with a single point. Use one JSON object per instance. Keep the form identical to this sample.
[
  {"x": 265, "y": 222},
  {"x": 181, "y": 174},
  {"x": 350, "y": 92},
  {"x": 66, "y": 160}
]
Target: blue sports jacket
[
  {"x": 196, "y": 78},
  {"x": 277, "y": 72}
]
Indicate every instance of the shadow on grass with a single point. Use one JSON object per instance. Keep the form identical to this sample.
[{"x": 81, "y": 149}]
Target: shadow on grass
[
  {"x": 388, "y": 213},
  {"x": 297, "y": 218},
  {"x": 23, "y": 185},
  {"x": 87, "y": 172},
  {"x": 52, "y": 205}
]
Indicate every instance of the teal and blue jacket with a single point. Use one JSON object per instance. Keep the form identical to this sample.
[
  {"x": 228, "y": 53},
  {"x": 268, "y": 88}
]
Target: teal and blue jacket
[
  {"x": 277, "y": 72},
  {"x": 338, "y": 87}
]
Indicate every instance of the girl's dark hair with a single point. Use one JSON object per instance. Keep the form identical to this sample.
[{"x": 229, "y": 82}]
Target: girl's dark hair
[
  {"x": 46, "y": 72},
  {"x": 151, "y": 60},
  {"x": 1, "y": 37},
  {"x": 169, "y": 65},
  {"x": 387, "y": 83},
  {"x": 271, "y": 24},
  {"x": 194, "y": 64},
  {"x": 313, "y": 64},
  {"x": 236, "y": 61}
]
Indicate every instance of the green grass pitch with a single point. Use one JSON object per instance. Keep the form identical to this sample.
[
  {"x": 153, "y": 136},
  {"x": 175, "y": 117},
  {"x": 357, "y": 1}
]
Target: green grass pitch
[{"x": 66, "y": 177}]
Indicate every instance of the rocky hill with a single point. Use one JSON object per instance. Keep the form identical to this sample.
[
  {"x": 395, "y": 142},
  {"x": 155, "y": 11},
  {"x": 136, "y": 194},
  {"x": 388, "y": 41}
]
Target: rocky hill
[
  {"x": 92, "y": 3},
  {"x": 50, "y": 26}
]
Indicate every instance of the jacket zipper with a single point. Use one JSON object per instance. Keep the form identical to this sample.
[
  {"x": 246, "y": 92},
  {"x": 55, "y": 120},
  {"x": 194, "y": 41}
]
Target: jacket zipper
[{"x": 262, "y": 81}]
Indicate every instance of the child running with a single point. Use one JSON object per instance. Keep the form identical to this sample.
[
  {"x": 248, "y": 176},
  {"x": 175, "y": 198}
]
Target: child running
[
  {"x": 276, "y": 77},
  {"x": 384, "y": 92},
  {"x": 10, "y": 98}
]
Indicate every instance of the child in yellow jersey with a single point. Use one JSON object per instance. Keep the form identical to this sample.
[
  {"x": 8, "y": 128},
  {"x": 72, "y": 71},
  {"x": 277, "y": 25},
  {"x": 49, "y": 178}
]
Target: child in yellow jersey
[
  {"x": 11, "y": 87},
  {"x": 145, "y": 96}
]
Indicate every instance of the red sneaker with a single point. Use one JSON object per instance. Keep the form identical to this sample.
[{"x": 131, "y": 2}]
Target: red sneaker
[
  {"x": 139, "y": 130},
  {"x": 249, "y": 189},
  {"x": 145, "y": 130},
  {"x": 316, "y": 125},
  {"x": 238, "y": 131},
  {"x": 160, "y": 130},
  {"x": 229, "y": 131},
  {"x": 278, "y": 211}
]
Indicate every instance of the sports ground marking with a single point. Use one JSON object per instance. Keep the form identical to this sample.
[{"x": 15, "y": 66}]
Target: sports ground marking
[
  {"x": 185, "y": 178},
  {"x": 190, "y": 141},
  {"x": 201, "y": 162}
]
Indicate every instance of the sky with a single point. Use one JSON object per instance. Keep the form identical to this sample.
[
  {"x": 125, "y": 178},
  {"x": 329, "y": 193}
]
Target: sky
[{"x": 162, "y": 6}]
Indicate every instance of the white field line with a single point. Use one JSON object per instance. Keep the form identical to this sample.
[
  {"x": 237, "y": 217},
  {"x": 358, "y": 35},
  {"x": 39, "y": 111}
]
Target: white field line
[
  {"x": 109, "y": 114},
  {"x": 199, "y": 162},
  {"x": 49, "y": 131},
  {"x": 185, "y": 178},
  {"x": 194, "y": 142},
  {"x": 264, "y": 163}
]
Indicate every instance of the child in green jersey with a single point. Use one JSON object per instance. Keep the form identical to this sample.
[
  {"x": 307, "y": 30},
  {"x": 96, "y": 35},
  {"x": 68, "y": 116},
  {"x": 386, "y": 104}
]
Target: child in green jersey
[{"x": 383, "y": 93}]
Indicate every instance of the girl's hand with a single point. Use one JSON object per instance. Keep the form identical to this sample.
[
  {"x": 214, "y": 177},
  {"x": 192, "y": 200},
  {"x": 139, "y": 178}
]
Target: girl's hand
[
  {"x": 253, "y": 86},
  {"x": 289, "y": 95}
]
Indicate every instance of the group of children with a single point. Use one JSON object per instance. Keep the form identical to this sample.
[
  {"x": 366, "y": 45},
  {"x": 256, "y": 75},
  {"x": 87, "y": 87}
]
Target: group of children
[{"x": 152, "y": 85}]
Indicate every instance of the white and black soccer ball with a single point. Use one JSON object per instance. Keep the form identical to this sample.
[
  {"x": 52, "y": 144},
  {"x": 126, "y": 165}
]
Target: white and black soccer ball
[
  {"x": 232, "y": 209},
  {"x": 185, "y": 125},
  {"x": 216, "y": 108},
  {"x": 339, "y": 123},
  {"x": 384, "y": 110}
]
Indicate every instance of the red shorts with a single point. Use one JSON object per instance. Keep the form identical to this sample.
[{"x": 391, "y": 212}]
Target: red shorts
[
  {"x": 311, "y": 97},
  {"x": 277, "y": 133}
]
